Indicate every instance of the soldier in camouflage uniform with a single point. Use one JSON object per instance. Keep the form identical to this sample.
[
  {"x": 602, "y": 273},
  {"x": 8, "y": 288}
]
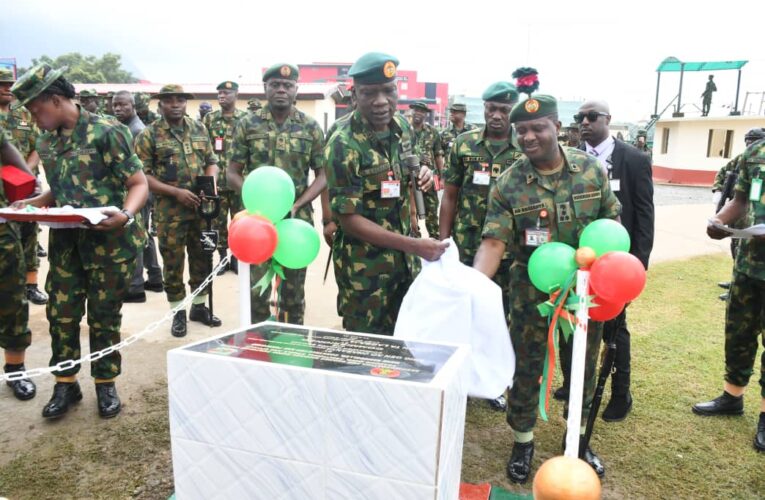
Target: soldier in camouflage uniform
[
  {"x": 253, "y": 105},
  {"x": 220, "y": 126},
  {"x": 282, "y": 136},
  {"x": 89, "y": 100},
  {"x": 369, "y": 192},
  {"x": 457, "y": 113},
  {"x": 22, "y": 133},
  {"x": 89, "y": 162},
  {"x": 146, "y": 115},
  {"x": 477, "y": 159},
  {"x": 746, "y": 304},
  {"x": 15, "y": 335},
  {"x": 175, "y": 150},
  {"x": 428, "y": 149},
  {"x": 552, "y": 194}
]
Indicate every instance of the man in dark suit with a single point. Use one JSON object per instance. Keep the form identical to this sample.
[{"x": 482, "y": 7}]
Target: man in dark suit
[{"x": 630, "y": 176}]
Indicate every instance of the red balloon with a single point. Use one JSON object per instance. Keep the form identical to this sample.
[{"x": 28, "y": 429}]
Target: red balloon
[
  {"x": 617, "y": 277},
  {"x": 252, "y": 239},
  {"x": 605, "y": 310}
]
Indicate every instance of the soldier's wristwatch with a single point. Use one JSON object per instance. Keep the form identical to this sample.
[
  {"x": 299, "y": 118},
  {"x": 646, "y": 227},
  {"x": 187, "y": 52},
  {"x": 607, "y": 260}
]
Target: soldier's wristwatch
[{"x": 131, "y": 217}]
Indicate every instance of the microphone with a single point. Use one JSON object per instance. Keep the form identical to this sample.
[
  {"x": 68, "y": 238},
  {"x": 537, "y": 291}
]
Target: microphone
[{"x": 412, "y": 164}]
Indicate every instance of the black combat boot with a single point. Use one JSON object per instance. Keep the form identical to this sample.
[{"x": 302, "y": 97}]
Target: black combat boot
[
  {"x": 519, "y": 465},
  {"x": 23, "y": 388},
  {"x": 724, "y": 404},
  {"x": 179, "y": 324},
  {"x": 64, "y": 394},
  {"x": 109, "y": 404},
  {"x": 200, "y": 313}
]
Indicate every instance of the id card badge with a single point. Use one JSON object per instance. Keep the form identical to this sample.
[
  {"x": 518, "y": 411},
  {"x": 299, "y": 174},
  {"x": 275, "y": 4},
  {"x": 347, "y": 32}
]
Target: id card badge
[
  {"x": 218, "y": 144},
  {"x": 615, "y": 184},
  {"x": 390, "y": 189},
  {"x": 437, "y": 184},
  {"x": 481, "y": 177},
  {"x": 537, "y": 237},
  {"x": 755, "y": 192}
]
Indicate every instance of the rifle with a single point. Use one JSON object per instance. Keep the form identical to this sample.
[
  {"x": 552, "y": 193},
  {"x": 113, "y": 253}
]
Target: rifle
[{"x": 727, "y": 191}]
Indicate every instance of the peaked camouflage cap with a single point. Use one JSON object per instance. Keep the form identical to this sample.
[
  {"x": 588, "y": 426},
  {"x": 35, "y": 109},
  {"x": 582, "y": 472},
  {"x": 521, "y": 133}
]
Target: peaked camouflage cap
[
  {"x": 172, "y": 89},
  {"x": 419, "y": 105},
  {"x": 458, "y": 107},
  {"x": 88, "y": 93},
  {"x": 6, "y": 75},
  {"x": 33, "y": 82}
]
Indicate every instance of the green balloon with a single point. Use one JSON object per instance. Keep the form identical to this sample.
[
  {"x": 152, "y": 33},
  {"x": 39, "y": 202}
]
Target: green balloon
[
  {"x": 551, "y": 265},
  {"x": 605, "y": 235},
  {"x": 291, "y": 349},
  {"x": 268, "y": 192},
  {"x": 298, "y": 243}
]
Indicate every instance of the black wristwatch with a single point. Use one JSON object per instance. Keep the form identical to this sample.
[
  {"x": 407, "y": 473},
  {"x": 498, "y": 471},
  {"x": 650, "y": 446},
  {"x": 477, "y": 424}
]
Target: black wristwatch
[{"x": 131, "y": 217}]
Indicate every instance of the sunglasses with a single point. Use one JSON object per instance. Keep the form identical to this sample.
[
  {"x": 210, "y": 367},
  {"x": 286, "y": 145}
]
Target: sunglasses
[{"x": 591, "y": 116}]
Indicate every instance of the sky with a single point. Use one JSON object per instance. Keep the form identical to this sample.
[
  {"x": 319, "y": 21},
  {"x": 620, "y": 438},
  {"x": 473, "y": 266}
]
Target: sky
[{"x": 605, "y": 50}]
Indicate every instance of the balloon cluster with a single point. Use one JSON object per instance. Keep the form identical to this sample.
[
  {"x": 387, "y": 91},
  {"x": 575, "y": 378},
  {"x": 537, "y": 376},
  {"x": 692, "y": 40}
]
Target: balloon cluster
[
  {"x": 616, "y": 276},
  {"x": 260, "y": 232}
]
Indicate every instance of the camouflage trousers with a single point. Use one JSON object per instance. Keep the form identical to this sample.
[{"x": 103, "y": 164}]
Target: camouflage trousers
[
  {"x": 29, "y": 242},
  {"x": 744, "y": 323},
  {"x": 291, "y": 296},
  {"x": 528, "y": 331},
  {"x": 176, "y": 238},
  {"x": 14, "y": 308},
  {"x": 71, "y": 284},
  {"x": 431, "y": 212},
  {"x": 229, "y": 204}
]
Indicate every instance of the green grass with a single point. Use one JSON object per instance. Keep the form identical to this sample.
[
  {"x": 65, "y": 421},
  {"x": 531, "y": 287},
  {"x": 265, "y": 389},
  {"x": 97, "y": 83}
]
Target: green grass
[{"x": 661, "y": 450}]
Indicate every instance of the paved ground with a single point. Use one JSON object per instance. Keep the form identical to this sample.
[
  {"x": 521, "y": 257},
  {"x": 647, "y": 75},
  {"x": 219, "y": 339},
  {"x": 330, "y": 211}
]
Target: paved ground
[{"x": 681, "y": 216}]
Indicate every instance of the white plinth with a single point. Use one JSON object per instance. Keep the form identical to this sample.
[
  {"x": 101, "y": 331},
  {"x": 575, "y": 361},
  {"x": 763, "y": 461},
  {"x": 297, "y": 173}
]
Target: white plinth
[{"x": 349, "y": 425}]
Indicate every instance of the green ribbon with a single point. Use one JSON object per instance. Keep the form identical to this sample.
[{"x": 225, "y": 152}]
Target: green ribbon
[{"x": 274, "y": 269}]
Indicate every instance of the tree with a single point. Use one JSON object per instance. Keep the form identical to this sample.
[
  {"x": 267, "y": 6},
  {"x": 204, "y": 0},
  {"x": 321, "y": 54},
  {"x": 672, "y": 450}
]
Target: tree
[{"x": 88, "y": 69}]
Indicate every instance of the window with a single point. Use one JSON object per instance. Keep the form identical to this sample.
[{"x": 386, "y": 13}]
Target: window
[
  {"x": 664, "y": 140},
  {"x": 719, "y": 143}
]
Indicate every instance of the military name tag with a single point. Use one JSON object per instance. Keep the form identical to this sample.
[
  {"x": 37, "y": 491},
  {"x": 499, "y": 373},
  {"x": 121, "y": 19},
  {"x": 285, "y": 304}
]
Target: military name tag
[
  {"x": 390, "y": 189},
  {"x": 537, "y": 237},
  {"x": 481, "y": 177},
  {"x": 218, "y": 144},
  {"x": 615, "y": 184},
  {"x": 755, "y": 192}
]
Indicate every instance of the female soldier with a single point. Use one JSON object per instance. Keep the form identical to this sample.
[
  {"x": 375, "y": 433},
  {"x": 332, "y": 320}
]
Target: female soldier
[{"x": 89, "y": 162}]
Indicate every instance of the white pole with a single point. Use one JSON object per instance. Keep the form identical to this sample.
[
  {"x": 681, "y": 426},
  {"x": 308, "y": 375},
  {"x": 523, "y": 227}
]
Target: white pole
[
  {"x": 576, "y": 391},
  {"x": 245, "y": 319}
]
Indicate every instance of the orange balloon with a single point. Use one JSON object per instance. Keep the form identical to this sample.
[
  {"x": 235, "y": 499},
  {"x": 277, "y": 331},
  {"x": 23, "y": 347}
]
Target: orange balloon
[
  {"x": 566, "y": 478},
  {"x": 585, "y": 256}
]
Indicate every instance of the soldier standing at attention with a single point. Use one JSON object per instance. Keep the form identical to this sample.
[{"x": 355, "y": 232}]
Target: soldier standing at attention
[
  {"x": 557, "y": 191},
  {"x": 369, "y": 192},
  {"x": 476, "y": 160},
  {"x": 431, "y": 154},
  {"x": 22, "y": 134},
  {"x": 175, "y": 150},
  {"x": 282, "y": 136},
  {"x": 746, "y": 304},
  {"x": 457, "y": 113},
  {"x": 706, "y": 96},
  {"x": 220, "y": 126},
  {"x": 89, "y": 162},
  {"x": 15, "y": 335}
]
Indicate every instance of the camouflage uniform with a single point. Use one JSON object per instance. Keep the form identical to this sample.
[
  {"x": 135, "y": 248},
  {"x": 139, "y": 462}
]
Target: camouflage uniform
[
  {"x": 22, "y": 133},
  {"x": 470, "y": 153},
  {"x": 746, "y": 304},
  {"x": 449, "y": 136},
  {"x": 14, "y": 308},
  {"x": 427, "y": 148},
  {"x": 371, "y": 281},
  {"x": 89, "y": 169},
  {"x": 221, "y": 130},
  {"x": 577, "y": 195},
  {"x": 146, "y": 115},
  {"x": 176, "y": 156},
  {"x": 296, "y": 147}
]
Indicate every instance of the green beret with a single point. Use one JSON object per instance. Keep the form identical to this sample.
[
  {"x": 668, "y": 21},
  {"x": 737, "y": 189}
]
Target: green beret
[
  {"x": 88, "y": 93},
  {"x": 420, "y": 105},
  {"x": 501, "y": 92},
  {"x": 282, "y": 70},
  {"x": 534, "y": 107},
  {"x": 172, "y": 89},
  {"x": 458, "y": 107},
  {"x": 374, "y": 67},
  {"x": 6, "y": 75},
  {"x": 227, "y": 85},
  {"x": 33, "y": 82}
]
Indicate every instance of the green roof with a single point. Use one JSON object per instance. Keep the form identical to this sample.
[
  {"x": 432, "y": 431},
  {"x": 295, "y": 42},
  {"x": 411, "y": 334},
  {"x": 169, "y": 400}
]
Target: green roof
[{"x": 673, "y": 64}]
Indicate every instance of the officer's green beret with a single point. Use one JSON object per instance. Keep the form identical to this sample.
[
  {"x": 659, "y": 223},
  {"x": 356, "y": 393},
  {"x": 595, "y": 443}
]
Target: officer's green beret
[
  {"x": 374, "y": 67},
  {"x": 88, "y": 93},
  {"x": 227, "y": 85},
  {"x": 458, "y": 107},
  {"x": 33, "y": 82},
  {"x": 6, "y": 75},
  {"x": 282, "y": 70},
  {"x": 419, "y": 105},
  {"x": 501, "y": 92},
  {"x": 533, "y": 108},
  {"x": 172, "y": 89}
]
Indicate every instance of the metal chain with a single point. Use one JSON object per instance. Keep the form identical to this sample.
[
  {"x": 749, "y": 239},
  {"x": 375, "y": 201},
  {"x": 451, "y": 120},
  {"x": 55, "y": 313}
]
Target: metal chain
[{"x": 93, "y": 356}]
